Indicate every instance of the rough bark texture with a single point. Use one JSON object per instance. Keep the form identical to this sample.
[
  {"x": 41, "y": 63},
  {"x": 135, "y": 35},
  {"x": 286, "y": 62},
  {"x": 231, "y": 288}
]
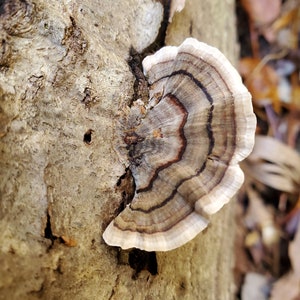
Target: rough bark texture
[{"x": 64, "y": 71}]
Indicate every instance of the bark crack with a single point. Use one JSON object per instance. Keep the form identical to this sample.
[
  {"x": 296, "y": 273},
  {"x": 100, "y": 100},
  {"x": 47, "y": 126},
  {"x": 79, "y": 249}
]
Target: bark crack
[{"x": 48, "y": 234}]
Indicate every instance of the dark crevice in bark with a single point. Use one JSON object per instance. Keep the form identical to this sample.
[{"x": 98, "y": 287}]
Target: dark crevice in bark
[
  {"x": 135, "y": 58},
  {"x": 87, "y": 137},
  {"x": 48, "y": 234},
  {"x": 126, "y": 185},
  {"x": 161, "y": 36},
  {"x": 140, "y": 85},
  {"x": 142, "y": 260}
]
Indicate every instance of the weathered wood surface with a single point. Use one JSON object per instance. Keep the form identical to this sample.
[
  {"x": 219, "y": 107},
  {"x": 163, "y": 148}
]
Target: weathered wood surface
[{"x": 64, "y": 71}]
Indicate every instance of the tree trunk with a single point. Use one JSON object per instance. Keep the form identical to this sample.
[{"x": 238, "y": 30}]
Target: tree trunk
[{"x": 64, "y": 81}]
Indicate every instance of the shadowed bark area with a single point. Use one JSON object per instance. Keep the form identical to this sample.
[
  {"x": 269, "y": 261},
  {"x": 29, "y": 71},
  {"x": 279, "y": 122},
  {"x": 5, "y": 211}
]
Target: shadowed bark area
[{"x": 65, "y": 83}]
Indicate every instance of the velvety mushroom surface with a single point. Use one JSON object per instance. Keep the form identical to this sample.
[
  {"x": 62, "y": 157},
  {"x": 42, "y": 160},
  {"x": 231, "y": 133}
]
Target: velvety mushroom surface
[{"x": 184, "y": 151}]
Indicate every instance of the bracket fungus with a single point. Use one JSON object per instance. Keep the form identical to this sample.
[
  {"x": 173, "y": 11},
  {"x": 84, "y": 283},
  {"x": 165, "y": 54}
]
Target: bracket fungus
[{"x": 185, "y": 149}]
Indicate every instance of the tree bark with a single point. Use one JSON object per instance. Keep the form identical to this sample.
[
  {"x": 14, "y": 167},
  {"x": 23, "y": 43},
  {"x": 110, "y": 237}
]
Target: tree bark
[{"x": 64, "y": 80}]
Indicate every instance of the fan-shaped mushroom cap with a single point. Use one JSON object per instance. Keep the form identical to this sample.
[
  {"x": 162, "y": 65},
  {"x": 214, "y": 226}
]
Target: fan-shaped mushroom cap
[{"x": 184, "y": 154}]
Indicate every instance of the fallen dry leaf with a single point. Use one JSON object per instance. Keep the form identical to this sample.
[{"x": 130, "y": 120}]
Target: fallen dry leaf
[
  {"x": 285, "y": 19},
  {"x": 261, "y": 81},
  {"x": 261, "y": 15},
  {"x": 262, "y": 12},
  {"x": 255, "y": 287},
  {"x": 286, "y": 27},
  {"x": 293, "y": 126},
  {"x": 296, "y": 89},
  {"x": 287, "y": 288},
  {"x": 294, "y": 253},
  {"x": 274, "y": 164},
  {"x": 259, "y": 216}
]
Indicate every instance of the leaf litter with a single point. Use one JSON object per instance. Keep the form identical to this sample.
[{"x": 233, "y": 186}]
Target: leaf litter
[{"x": 268, "y": 212}]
